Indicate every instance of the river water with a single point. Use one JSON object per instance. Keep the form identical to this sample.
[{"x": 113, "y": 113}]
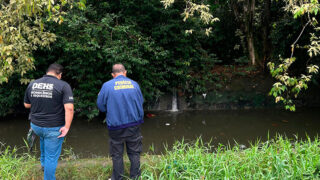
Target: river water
[{"x": 90, "y": 139}]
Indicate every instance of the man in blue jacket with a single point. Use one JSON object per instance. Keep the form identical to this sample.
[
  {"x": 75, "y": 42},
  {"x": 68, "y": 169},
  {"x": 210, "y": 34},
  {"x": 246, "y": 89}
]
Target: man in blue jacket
[{"x": 122, "y": 100}]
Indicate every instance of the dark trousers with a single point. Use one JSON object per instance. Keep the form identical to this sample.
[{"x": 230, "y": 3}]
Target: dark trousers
[{"x": 131, "y": 137}]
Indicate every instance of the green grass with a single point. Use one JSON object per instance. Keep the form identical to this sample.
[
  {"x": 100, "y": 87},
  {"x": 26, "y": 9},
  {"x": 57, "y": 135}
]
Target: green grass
[
  {"x": 275, "y": 159},
  {"x": 14, "y": 166},
  {"x": 280, "y": 158}
]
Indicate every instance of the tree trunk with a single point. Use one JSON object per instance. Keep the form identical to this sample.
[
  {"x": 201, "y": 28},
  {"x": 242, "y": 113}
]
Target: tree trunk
[
  {"x": 251, "y": 49},
  {"x": 245, "y": 18},
  {"x": 249, "y": 10},
  {"x": 267, "y": 47}
]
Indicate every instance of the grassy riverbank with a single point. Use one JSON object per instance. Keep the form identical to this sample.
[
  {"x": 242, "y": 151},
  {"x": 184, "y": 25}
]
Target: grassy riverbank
[{"x": 280, "y": 158}]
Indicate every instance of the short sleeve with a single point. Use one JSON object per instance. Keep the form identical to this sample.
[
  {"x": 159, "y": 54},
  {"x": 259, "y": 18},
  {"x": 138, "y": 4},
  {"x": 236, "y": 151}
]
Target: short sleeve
[
  {"x": 26, "y": 96},
  {"x": 67, "y": 94}
]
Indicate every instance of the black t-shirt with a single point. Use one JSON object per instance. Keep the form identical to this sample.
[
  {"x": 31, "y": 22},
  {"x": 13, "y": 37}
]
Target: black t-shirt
[{"x": 47, "y": 97}]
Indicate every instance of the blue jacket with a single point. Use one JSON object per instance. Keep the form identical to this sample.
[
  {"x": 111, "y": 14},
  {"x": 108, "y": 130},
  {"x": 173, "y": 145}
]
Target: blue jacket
[{"x": 122, "y": 100}]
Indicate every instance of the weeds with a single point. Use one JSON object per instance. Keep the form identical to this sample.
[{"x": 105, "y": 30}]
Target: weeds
[
  {"x": 280, "y": 158},
  {"x": 275, "y": 159},
  {"x": 12, "y": 165}
]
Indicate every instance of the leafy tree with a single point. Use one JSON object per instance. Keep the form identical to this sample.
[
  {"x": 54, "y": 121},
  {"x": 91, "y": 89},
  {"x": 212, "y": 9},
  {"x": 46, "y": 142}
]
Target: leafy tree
[
  {"x": 22, "y": 31},
  {"x": 289, "y": 86},
  {"x": 167, "y": 46},
  {"x": 252, "y": 17},
  {"x": 154, "y": 48}
]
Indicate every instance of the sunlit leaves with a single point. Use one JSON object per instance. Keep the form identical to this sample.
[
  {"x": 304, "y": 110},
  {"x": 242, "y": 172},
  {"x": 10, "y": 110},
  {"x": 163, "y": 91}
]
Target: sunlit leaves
[
  {"x": 288, "y": 86},
  {"x": 208, "y": 31},
  {"x": 314, "y": 47},
  {"x": 300, "y": 8},
  {"x": 167, "y": 3},
  {"x": 22, "y": 31},
  {"x": 190, "y": 31},
  {"x": 313, "y": 69},
  {"x": 20, "y": 35},
  {"x": 82, "y": 4},
  {"x": 201, "y": 11}
]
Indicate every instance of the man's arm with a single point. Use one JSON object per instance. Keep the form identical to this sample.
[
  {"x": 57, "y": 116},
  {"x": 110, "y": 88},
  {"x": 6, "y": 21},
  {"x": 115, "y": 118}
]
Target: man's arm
[
  {"x": 28, "y": 106},
  {"x": 69, "y": 111},
  {"x": 68, "y": 108},
  {"x": 27, "y": 103}
]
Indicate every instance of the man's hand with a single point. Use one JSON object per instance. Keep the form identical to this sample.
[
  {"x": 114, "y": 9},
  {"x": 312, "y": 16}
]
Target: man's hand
[{"x": 64, "y": 131}]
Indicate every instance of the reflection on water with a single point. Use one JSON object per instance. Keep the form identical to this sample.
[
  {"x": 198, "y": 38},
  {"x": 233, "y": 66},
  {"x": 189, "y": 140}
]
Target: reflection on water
[{"x": 90, "y": 139}]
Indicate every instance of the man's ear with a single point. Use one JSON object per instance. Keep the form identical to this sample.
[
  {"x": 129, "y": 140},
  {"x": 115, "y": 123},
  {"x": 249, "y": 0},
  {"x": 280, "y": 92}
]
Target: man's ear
[
  {"x": 60, "y": 76},
  {"x": 125, "y": 73}
]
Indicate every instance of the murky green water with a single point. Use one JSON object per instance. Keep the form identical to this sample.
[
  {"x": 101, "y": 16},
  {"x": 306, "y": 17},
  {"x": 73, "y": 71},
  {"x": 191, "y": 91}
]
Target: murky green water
[{"x": 90, "y": 139}]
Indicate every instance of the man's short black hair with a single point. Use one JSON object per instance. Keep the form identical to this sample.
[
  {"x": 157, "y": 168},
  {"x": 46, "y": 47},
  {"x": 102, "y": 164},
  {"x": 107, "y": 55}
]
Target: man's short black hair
[
  {"x": 55, "y": 68},
  {"x": 118, "y": 68}
]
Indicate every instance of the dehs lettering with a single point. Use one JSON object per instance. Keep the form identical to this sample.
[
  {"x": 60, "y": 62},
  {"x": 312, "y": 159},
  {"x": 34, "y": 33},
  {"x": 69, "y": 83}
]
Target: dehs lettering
[{"x": 45, "y": 86}]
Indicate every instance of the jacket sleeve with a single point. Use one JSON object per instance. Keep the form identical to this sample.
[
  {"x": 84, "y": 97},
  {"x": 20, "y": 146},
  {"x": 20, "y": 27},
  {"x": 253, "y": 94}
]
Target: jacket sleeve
[
  {"x": 140, "y": 97},
  {"x": 102, "y": 99}
]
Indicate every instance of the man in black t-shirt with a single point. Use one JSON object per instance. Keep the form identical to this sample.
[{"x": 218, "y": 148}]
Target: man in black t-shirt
[{"x": 51, "y": 114}]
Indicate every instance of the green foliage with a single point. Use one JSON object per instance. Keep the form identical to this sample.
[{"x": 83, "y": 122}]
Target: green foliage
[
  {"x": 150, "y": 40},
  {"x": 154, "y": 48},
  {"x": 283, "y": 40},
  {"x": 290, "y": 86},
  {"x": 287, "y": 86},
  {"x": 89, "y": 42},
  {"x": 11, "y": 95},
  {"x": 97, "y": 41},
  {"x": 22, "y": 31}
]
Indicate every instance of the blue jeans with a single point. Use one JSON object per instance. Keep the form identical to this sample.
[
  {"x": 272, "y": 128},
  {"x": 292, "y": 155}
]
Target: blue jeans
[{"x": 50, "y": 147}]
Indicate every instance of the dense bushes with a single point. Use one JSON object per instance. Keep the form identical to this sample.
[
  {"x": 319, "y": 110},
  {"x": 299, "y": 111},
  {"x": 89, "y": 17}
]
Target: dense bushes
[
  {"x": 151, "y": 42},
  {"x": 153, "y": 47}
]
